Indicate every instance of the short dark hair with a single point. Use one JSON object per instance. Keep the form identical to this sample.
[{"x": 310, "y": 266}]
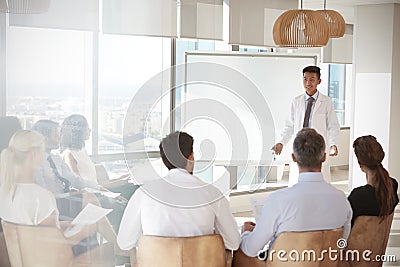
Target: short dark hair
[
  {"x": 313, "y": 69},
  {"x": 175, "y": 149},
  {"x": 309, "y": 148},
  {"x": 45, "y": 127}
]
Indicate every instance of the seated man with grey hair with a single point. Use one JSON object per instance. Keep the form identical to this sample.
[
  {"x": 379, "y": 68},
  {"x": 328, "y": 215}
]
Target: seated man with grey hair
[{"x": 311, "y": 204}]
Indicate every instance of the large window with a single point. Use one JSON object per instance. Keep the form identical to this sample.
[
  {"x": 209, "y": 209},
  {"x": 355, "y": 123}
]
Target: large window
[
  {"x": 126, "y": 63},
  {"x": 46, "y": 74},
  {"x": 52, "y": 74},
  {"x": 337, "y": 90}
]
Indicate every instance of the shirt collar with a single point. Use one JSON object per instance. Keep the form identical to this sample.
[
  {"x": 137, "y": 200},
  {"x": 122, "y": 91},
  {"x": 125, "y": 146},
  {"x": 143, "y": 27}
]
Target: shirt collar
[
  {"x": 311, "y": 177},
  {"x": 178, "y": 172},
  {"x": 315, "y": 96}
]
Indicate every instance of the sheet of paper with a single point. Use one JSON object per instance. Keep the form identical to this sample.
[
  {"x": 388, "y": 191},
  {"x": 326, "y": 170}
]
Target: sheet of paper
[
  {"x": 257, "y": 204},
  {"x": 90, "y": 214},
  {"x": 111, "y": 194},
  {"x": 92, "y": 190},
  {"x": 104, "y": 193},
  {"x": 73, "y": 230}
]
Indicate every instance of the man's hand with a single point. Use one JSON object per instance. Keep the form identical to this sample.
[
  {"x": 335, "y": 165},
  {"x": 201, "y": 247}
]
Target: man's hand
[
  {"x": 277, "y": 148},
  {"x": 248, "y": 226},
  {"x": 333, "y": 151}
]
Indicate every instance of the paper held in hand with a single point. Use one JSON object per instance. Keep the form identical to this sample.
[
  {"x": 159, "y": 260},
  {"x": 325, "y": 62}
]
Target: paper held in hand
[
  {"x": 257, "y": 205},
  {"x": 90, "y": 214}
]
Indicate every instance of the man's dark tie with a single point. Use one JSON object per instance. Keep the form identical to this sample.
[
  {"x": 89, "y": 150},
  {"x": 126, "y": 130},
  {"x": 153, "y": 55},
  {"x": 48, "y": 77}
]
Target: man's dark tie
[
  {"x": 310, "y": 102},
  {"x": 65, "y": 182}
]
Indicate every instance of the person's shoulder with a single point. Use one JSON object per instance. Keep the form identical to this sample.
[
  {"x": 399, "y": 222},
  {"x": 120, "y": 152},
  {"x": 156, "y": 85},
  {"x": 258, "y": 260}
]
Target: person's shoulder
[
  {"x": 56, "y": 157},
  {"x": 34, "y": 190},
  {"x": 323, "y": 97},
  {"x": 299, "y": 97},
  {"x": 395, "y": 183},
  {"x": 284, "y": 193},
  {"x": 361, "y": 191}
]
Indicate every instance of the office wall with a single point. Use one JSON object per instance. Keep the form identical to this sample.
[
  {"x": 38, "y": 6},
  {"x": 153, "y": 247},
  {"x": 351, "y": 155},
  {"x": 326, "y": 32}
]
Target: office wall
[
  {"x": 3, "y": 64},
  {"x": 394, "y": 140},
  {"x": 376, "y": 96},
  {"x": 344, "y": 143}
]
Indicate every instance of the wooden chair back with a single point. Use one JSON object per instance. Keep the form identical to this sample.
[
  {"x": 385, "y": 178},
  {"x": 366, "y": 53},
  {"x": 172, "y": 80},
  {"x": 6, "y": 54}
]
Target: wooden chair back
[
  {"x": 45, "y": 246},
  {"x": 198, "y": 251},
  {"x": 368, "y": 233},
  {"x": 299, "y": 249}
]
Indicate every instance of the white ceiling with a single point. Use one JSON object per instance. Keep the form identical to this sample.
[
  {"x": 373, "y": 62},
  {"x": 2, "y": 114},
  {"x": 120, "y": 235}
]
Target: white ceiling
[{"x": 344, "y": 7}]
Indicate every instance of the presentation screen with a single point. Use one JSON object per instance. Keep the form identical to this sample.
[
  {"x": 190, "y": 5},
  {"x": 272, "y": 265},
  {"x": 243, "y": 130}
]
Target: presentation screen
[{"x": 235, "y": 104}]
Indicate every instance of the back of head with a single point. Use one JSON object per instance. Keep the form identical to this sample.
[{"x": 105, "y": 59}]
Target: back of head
[
  {"x": 45, "y": 127},
  {"x": 21, "y": 144},
  {"x": 309, "y": 148},
  {"x": 9, "y": 125},
  {"x": 313, "y": 69},
  {"x": 368, "y": 151},
  {"x": 175, "y": 149},
  {"x": 73, "y": 132},
  {"x": 370, "y": 154}
]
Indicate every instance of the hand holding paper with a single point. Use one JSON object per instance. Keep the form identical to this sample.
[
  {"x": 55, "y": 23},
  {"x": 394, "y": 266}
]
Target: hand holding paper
[{"x": 89, "y": 215}]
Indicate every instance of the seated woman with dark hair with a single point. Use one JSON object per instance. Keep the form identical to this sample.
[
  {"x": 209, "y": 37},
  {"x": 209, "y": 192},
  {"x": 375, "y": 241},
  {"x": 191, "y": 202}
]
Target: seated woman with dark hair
[
  {"x": 74, "y": 133},
  {"x": 379, "y": 196}
]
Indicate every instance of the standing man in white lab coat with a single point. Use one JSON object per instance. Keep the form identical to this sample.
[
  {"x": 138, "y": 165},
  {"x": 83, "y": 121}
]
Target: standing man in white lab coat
[{"x": 314, "y": 110}]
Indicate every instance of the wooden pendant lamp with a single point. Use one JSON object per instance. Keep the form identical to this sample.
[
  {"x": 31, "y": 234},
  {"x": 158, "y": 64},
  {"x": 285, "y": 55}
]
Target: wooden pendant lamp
[
  {"x": 337, "y": 25},
  {"x": 301, "y": 28}
]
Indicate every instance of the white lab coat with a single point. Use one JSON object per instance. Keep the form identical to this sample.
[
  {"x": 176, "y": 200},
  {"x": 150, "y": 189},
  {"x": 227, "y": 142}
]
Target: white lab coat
[{"x": 323, "y": 120}]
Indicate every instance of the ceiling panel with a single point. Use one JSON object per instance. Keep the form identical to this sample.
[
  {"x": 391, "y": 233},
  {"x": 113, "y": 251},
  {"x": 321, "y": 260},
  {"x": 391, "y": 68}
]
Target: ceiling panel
[{"x": 344, "y": 7}]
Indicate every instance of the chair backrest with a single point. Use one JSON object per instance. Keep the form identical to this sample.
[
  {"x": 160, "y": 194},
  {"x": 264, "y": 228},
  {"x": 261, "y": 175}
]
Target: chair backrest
[
  {"x": 198, "y": 251},
  {"x": 45, "y": 246},
  {"x": 102, "y": 175},
  {"x": 303, "y": 243},
  {"x": 36, "y": 246},
  {"x": 296, "y": 249},
  {"x": 4, "y": 261},
  {"x": 9, "y": 125},
  {"x": 368, "y": 233}
]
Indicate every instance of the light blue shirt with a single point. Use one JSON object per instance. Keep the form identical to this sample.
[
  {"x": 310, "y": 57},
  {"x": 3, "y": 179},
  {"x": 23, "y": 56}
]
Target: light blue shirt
[
  {"x": 311, "y": 204},
  {"x": 315, "y": 96},
  {"x": 46, "y": 177}
]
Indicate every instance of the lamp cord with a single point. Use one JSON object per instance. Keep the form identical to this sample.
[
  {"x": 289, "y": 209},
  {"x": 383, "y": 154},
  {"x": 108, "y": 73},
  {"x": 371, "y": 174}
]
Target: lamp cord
[{"x": 324, "y": 4}]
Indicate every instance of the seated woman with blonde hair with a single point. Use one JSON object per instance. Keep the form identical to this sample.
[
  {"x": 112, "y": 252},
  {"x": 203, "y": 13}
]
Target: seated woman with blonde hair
[
  {"x": 22, "y": 201},
  {"x": 379, "y": 196},
  {"x": 18, "y": 188}
]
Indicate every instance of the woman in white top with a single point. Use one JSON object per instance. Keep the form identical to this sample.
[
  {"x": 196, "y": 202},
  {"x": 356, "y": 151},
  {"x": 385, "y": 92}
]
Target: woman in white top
[
  {"x": 22, "y": 201},
  {"x": 74, "y": 132}
]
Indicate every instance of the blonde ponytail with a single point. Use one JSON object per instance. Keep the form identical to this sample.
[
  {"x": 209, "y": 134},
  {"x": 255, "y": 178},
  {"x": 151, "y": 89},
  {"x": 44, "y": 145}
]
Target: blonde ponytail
[
  {"x": 7, "y": 173},
  {"x": 21, "y": 144}
]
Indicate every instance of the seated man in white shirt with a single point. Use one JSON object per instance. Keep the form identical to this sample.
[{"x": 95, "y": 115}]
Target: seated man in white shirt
[
  {"x": 311, "y": 204},
  {"x": 178, "y": 205}
]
